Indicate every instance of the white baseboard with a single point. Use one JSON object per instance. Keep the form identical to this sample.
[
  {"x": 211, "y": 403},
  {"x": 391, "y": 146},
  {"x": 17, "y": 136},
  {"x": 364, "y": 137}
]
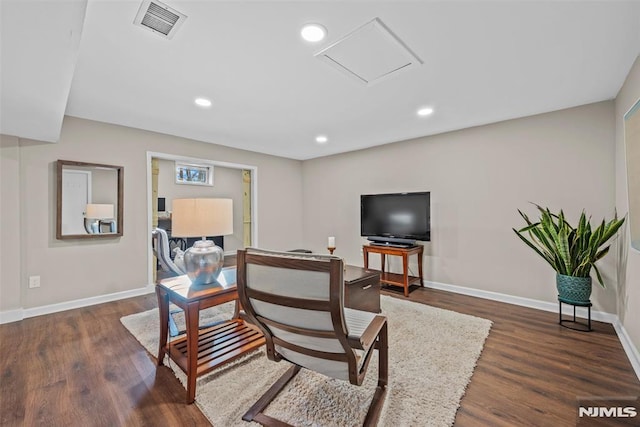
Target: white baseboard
[
  {"x": 600, "y": 316},
  {"x": 9, "y": 316},
  {"x": 632, "y": 351},
  {"x": 19, "y": 314},
  {"x": 629, "y": 348}
]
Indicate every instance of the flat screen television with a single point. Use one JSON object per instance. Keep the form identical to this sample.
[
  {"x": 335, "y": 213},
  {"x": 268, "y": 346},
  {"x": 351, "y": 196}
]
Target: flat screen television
[{"x": 397, "y": 218}]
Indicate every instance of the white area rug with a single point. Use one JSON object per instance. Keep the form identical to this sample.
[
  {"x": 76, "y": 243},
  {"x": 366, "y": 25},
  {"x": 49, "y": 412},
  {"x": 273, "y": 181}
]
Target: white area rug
[{"x": 432, "y": 356}]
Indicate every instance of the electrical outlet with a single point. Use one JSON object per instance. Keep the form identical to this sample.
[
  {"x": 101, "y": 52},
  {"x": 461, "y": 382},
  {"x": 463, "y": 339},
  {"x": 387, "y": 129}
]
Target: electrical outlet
[{"x": 34, "y": 281}]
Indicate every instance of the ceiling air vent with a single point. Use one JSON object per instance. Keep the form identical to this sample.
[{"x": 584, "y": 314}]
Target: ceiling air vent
[
  {"x": 370, "y": 54},
  {"x": 159, "y": 18}
]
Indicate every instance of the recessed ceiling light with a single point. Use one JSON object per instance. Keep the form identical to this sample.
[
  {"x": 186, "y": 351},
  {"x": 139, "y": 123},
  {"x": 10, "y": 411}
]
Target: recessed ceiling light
[
  {"x": 313, "y": 32},
  {"x": 321, "y": 139},
  {"x": 426, "y": 111},
  {"x": 203, "y": 102}
]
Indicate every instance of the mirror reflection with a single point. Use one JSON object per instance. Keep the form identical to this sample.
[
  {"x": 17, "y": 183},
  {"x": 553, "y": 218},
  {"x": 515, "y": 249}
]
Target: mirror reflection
[
  {"x": 632, "y": 144},
  {"x": 89, "y": 200}
]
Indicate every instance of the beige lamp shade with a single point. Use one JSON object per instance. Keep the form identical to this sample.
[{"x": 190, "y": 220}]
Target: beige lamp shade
[
  {"x": 99, "y": 211},
  {"x": 201, "y": 217}
]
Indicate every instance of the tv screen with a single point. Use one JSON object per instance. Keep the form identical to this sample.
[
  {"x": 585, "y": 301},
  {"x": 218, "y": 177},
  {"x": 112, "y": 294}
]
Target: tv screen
[{"x": 396, "y": 216}]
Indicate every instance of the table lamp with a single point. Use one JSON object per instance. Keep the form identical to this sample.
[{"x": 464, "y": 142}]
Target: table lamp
[
  {"x": 94, "y": 213},
  {"x": 200, "y": 218}
]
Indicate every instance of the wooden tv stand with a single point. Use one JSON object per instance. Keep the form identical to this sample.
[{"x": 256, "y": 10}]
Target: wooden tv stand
[{"x": 394, "y": 279}]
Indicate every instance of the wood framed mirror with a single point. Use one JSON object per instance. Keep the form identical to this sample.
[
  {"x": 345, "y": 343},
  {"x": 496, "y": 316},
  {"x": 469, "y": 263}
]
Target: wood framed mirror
[
  {"x": 632, "y": 146},
  {"x": 89, "y": 200}
]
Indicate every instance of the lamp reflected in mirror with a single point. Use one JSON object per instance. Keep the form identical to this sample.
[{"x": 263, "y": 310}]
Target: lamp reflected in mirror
[{"x": 98, "y": 218}]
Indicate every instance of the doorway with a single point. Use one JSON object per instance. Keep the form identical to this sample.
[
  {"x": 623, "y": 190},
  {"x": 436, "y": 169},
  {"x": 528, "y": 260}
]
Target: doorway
[{"x": 244, "y": 196}]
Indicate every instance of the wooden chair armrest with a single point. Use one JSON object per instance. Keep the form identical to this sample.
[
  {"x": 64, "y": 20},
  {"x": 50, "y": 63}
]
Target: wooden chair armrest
[{"x": 370, "y": 334}]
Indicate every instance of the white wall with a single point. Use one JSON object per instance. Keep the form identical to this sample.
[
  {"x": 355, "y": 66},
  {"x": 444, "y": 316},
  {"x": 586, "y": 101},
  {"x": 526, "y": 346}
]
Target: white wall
[
  {"x": 629, "y": 293},
  {"x": 104, "y": 186},
  {"x": 227, "y": 183},
  {"x": 478, "y": 179},
  {"x": 75, "y": 269},
  {"x": 10, "y": 239}
]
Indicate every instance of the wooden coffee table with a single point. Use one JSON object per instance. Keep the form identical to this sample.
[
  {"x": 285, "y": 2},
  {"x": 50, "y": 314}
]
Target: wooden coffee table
[{"x": 202, "y": 350}]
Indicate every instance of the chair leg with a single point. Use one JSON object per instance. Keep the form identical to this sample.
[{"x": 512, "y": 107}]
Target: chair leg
[
  {"x": 255, "y": 412},
  {"x": 268, "y": 421},
  {"x": 383, "y": 377},
  {"x": 375, "y": 408},
  {"x": 383, "y": 357}
]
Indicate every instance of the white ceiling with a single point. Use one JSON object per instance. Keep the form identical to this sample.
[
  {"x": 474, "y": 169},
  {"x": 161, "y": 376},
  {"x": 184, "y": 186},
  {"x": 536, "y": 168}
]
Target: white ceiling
[{"x": 483, "y": 62}]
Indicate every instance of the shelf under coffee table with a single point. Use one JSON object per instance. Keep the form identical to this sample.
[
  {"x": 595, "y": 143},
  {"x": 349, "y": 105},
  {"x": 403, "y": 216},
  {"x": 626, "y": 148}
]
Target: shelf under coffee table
[
  {"x": 202, "y": 350},
  {"x": 217, "y": 345}
]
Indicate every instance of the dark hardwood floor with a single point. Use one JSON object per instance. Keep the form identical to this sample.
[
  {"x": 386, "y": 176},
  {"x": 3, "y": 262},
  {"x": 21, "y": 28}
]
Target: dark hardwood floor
[
  {"x": 82, "y": 368},
  {"x": 532, "y": 370}
]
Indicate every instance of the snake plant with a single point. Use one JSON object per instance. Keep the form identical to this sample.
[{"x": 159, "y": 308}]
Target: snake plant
[{"x": 570, "y": 251}]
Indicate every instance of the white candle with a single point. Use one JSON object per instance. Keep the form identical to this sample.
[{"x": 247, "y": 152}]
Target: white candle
[{"x": 332, "y": 242}]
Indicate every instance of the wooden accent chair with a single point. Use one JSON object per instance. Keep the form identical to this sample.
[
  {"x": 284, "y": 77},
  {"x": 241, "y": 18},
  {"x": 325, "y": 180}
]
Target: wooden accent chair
[
  {"x": 161, "y": 249},
  {"x": 297, "y": 302}
]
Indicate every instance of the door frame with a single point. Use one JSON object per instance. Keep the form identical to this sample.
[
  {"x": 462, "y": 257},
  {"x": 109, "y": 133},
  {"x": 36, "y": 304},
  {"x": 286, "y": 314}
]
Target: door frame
[{"x": 174, "y": 157}]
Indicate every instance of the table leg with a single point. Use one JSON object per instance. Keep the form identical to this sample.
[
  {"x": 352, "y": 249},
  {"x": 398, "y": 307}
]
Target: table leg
[
  {"x": 237, "y": 309},
  {"x": 383, "y": 261},
  {"x": 420, "y": 253},
  {"x": 560, "y": 312},
  {"x": 163, "y": 309},
  {"x": 193, "y": 334},
  {"x": 366, "y": 259},
  {"x": 405, "y": 274}
]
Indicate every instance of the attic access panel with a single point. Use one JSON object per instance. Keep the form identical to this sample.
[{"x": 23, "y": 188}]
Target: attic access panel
[{"x": 370, "y": 54}]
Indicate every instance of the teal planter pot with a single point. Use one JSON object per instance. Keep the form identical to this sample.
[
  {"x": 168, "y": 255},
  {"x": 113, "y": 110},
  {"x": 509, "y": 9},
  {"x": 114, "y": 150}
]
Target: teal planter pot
[{"x": 573, "y": 290}]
